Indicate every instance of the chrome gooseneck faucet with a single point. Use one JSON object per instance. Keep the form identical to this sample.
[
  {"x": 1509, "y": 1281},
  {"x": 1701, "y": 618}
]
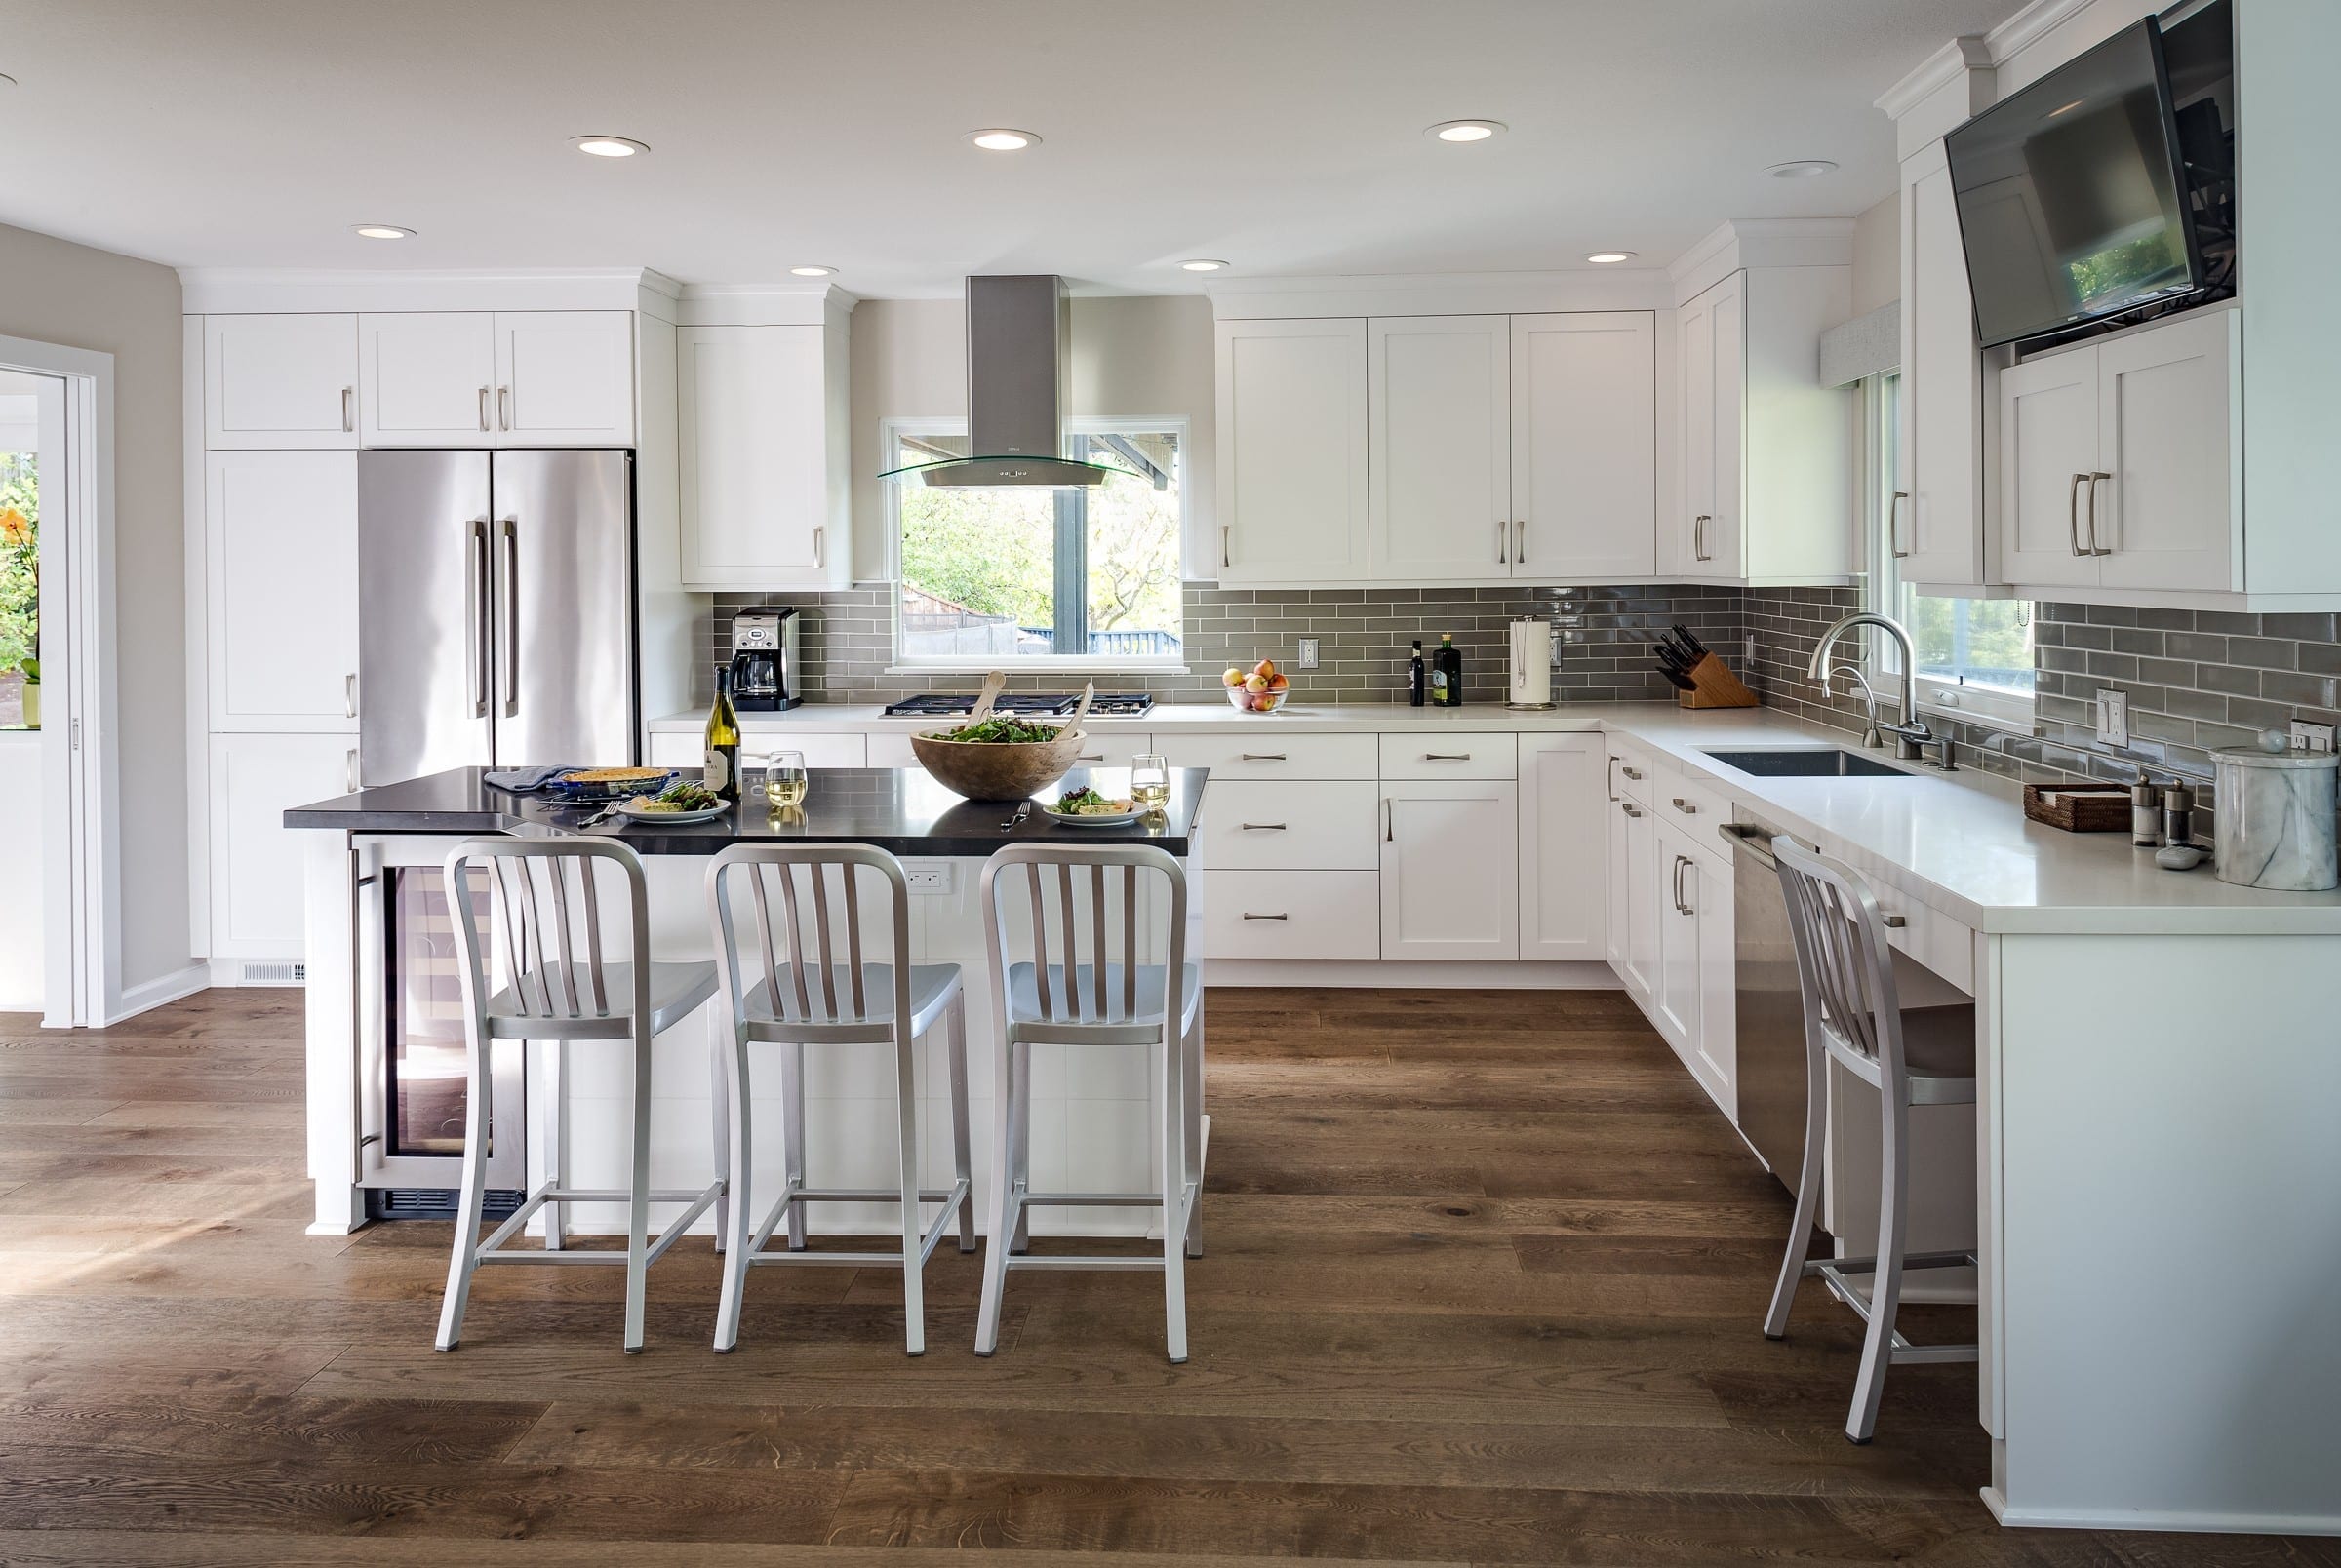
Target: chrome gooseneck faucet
[{"x": 1911, "y": 737}]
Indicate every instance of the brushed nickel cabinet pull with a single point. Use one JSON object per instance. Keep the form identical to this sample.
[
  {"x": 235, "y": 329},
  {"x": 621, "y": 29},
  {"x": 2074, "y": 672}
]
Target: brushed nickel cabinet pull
[
  {"x": 1446, "y": 756},
  {"x": 350, "y": 694},
  {"x": 1091, "y": 757},
  {"x": 1698, "y": 537},
  {"x": 2072, "y": 513},
  {"x": 1248, "y": 914},
  {"x": 1503, "y": 535},
  {"x": 1681, "y": 863},
  {"x": 2095, "y": 548},
  {"x": 503, "y": 406},
  {"x": 1223, "y": 561},
  {"x": 820, "y": 547},
  {"x": 1610, "y": 780},
  {"x": 1685, "y": 807},
  {"x": 349, "y": 398},
  {"x": 1389, "y": 821},
  {"x": 1266, "y": 757},
  {"x": 1894, "y": 525},
  {"x": 1264, "y": 827},
  {"x": 483, "y": 407},
  {"x": 1895, "y": 922},
  {"x": 1634, "y": 773},
  {"x": 1519, "y": 545},
  {"x": 1629, "y": 809},
  {"x": 352, "y": 764}
]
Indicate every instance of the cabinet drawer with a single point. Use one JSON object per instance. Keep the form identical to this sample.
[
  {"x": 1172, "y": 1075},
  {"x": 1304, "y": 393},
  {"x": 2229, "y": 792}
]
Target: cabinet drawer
[
  {"x": 1250, "y": 826},
  {"x": 676, "y": 749},
  {"x": 1695, "y": 810},
  {"x": 1466, "y": 756},
  {"x": 1292, "y": 915},
  {"x": 1630, "y": 777},
  {"x": 1269, "y": 754},
  {"x": 1929, "y": 937}
]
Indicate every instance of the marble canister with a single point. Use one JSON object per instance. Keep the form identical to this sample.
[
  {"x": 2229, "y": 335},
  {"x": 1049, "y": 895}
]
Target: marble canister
[{"x": 2274, "y": 819}]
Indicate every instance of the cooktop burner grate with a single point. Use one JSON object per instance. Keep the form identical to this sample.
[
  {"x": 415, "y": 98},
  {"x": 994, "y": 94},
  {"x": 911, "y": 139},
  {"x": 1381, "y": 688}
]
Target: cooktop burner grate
[{"x": 1046, "y": 704}]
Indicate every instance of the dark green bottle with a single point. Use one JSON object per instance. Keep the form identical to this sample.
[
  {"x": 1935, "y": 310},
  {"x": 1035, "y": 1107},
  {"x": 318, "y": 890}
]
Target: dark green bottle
[{"x": 1447, "y": 674}]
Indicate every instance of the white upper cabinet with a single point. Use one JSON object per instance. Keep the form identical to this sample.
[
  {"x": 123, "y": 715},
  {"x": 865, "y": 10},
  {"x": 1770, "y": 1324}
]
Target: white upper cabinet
[
  {"x": 1563, "y": 849},
  {"x": 1584, "y": 445},
  {"x": 765, "y": 480},
  {"x": 1939, "y": 532},
  {"x": 2048, "y": 451},
  {"x": 1439, "y": 403},
  {"x": 1293, "y": 443},
  {"x": 1705, "y": 541},
  {"x": 281, "y": 563},
  {"x": 564, "y": 378},
  {"x": 280, "y": 382},
  {"x": 427, "y": 379}
]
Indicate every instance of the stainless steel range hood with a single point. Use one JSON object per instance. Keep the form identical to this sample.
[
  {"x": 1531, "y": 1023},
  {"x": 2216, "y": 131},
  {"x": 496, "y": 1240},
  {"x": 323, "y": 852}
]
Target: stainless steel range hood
[{"x": 1018, "y": 339}]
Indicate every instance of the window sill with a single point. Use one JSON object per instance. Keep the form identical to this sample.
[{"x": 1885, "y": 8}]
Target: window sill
[
  {"x": 1042, "y": 666},
  {"x": 2009, "y": 713}
]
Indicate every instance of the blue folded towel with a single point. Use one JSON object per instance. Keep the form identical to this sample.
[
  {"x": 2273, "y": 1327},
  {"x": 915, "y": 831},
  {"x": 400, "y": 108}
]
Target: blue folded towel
[{"x": 522, "y": 780}]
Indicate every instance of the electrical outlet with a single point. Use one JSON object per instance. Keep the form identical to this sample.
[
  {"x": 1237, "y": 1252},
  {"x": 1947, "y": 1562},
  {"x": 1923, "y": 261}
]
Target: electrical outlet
[
  {"x": 2309, "y": 737},
  {"x": 2112, "y": 718},
  {"x": 1306, "y": 659},
  {"x": 928, "y": 875}
]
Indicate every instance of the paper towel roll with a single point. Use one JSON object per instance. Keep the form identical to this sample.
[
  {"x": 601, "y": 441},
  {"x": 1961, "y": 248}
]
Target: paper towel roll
[{"x": 1531, "y": 676}]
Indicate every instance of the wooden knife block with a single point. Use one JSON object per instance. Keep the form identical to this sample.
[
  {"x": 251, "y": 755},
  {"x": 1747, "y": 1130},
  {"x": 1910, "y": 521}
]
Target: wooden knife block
[{"x": 1714, "y": 686}]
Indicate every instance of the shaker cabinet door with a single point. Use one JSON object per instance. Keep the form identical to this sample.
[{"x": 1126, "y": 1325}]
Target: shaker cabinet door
[
  {"x": 1451, "y": 870},
  {"x": 427, "y": 379},
  {"x": 281, "y": 605},
  {"x": 1293, "y": 468},
  {"x": 564, "y": 378},
  {"x": 1584, "y": 445},
  {"x": 1439, "y": 401},
  {"x": 278, "y": 381},
  {"x": 1563, "y": 849}
]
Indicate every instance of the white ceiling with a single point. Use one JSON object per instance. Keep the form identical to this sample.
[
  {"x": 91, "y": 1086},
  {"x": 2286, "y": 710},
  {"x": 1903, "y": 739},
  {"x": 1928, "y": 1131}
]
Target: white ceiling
[{"x": 1283, "y": 136}]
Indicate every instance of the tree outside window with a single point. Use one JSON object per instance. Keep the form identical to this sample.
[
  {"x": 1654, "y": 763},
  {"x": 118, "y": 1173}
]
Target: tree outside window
[{"x": 20, "y": 577}]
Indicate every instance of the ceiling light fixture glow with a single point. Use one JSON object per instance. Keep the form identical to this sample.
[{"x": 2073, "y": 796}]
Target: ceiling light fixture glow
[
  {"x": 1200, "y": 264},
  {"x": 811, "y": 272},
  {"x": 602, "y": 146},
  {"x": 1001, "y": 139},
  {"x": 1604, "y": 259},
  {"x": 1801, "y": 168},
  {"x": 2066, "y": 110},
  {"x": 381, "y": 231},
  {"x": 1465, "y": 130}
]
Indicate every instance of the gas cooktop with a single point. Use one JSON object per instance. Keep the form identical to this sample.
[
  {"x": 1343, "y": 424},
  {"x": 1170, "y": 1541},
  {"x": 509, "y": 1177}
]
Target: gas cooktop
[{"x": 1044, "y": 704}]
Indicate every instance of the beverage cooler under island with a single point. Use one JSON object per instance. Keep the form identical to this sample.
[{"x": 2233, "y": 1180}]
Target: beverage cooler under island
[{"x": 385, "y": 1041}]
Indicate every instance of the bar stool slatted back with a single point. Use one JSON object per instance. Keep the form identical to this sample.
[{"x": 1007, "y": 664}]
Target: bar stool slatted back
[
  {"x": 1853, "y": 1016},
  {"x": 1113, "y": 997},
  {"x": 557, "y": 986},
  {"x": 812, "y": 986}
]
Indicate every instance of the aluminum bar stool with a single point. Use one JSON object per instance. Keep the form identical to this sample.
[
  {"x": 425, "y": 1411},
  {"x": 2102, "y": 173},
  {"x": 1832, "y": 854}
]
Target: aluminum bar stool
[
  {"x": 1099, "y": 1002},
  {"x": 559, "y": 988},
  {"x": 1853, "y": 1016},
  {"x": 800, "y": 995}
]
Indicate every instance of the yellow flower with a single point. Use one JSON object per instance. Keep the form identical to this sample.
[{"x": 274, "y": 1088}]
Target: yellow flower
[{"x": 16, "y": 528}]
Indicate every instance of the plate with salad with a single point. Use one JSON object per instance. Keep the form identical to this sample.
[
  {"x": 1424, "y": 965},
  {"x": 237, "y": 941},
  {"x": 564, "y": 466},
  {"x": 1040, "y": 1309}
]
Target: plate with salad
[
  {"x": 681, "y": 802},
  {"x": 1086, "y": 807}
]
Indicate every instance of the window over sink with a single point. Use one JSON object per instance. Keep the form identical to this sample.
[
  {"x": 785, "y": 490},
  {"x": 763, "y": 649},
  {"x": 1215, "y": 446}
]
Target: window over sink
[{"x": 1075, "y": 579}]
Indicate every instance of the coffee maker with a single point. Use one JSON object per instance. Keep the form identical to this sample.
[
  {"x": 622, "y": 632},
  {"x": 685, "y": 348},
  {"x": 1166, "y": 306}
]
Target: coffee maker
[{"x": 765, "y": 670}]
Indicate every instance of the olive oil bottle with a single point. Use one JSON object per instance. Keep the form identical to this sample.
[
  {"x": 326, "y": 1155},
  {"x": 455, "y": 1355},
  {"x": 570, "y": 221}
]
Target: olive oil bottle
[
  {"x": 1447, "y": 674},
  {"x": 722, "y": 773}
]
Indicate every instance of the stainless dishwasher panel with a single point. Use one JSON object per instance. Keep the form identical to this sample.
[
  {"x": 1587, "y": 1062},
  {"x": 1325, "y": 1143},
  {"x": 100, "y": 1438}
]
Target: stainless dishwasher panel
[{"x": 1770, "y": 1011}]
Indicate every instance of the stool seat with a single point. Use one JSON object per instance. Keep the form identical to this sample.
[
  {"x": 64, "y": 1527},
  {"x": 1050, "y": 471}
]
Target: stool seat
[
  {"x": 517, "y": 1011},
  {"x": 1938, "y": 1053},
  {"x": 829, "y": 994},
  {"x": 1152, "y": 984}
]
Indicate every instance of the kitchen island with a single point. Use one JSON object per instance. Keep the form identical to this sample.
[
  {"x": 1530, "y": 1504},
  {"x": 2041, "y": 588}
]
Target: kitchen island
[{"x": 378, "y": 959}]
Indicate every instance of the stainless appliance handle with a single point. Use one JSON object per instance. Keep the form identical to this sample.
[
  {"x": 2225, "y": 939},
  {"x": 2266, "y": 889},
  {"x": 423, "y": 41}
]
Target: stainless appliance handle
[
  {"x": 482, "y": 618},
  {"x": 483, "y": 407},
  {"x": 348, "y": 397},
  {"x": 1894, "y": 525},
  {"x": 511, "y": 680},
  {"x": 2095, "y": 548},
  {"x": 2072, "y": 513},
  {"x": 1754, "y": 841}
]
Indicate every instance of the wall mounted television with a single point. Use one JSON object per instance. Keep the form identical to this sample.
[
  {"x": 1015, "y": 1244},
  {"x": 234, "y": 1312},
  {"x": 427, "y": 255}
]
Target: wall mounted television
[{"x": 2075, "y": 201}]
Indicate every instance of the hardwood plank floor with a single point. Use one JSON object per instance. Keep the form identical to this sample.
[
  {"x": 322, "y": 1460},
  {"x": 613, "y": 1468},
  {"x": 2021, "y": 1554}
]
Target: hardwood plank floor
[{"x": 1483, "y": 1285}]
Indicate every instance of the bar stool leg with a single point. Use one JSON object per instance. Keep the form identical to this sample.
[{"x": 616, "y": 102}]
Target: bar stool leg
[
  {"x": 719, "y": 1080},
  {"x": 743, "y": 1218},
  {"x": 1809, "y": 1189},
  {"x": 955, "y": 1040},
  {"x": 556, "y": 1138},
  {"x": 995, "y": 1256},
  {"x": 792, "y": 1115},
  {"x": 465, "y": 1260},
  {"x": 1885, "y": 1287},
  {"x": 1017, "y": 1153},
  {"x": 1192, "y": 1065},
  {"x": 638, "y": 1191},
  {"x": 1173, "y": 1176},
  {"x": 906, "y": 1133}
]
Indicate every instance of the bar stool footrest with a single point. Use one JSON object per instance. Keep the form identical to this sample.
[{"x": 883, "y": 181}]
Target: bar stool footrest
[
  {"x": 949, "y": 1197},
  {"x": 1831, "y": 1271}
]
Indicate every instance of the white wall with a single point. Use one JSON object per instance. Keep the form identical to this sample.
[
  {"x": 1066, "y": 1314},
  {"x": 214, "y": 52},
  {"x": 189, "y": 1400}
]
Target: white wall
[
  {"x": 1878, "y": 255},
  {"x": 59, "y": 292},
  {"x": 1131, "y": 356}
]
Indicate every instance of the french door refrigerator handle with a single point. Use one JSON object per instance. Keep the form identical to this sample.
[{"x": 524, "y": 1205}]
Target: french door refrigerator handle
[
  {"x": 483, "y": 618},
  {"x": 511, "y": 671}
]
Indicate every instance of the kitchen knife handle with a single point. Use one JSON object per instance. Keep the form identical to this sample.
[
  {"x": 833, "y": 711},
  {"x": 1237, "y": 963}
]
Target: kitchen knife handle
[{"x": 511, "y": 617}]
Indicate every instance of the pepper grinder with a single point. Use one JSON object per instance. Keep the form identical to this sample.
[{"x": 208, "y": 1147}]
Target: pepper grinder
[
  {"x": 2178, "y": 815},
  {"x": 2145, "y": 818}
]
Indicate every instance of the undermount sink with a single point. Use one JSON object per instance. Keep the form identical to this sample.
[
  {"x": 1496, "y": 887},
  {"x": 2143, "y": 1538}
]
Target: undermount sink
[{"x": 1807, "y": 762}]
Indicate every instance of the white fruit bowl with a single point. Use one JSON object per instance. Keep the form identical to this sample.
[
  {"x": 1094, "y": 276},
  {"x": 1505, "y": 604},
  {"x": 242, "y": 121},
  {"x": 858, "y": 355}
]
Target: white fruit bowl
[{"x": 1244, "y": 701}]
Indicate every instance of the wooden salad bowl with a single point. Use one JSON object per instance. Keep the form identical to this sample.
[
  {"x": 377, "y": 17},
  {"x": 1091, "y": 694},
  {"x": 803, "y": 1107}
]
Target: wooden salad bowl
[{"x": 982, "y": 770}]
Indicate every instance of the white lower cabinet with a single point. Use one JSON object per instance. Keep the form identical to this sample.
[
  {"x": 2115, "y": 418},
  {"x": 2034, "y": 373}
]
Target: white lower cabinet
[
  {"x": 681, "y": 749},
  {"x": 1292, "y": 915},
  {"x": 1264, "y": 826},
  {"x": 255, "y": 871},
  {"x": 1563, "y": 849},
  {"x": 1451, "y": 870},
  {"x": 1670, "y": 935},
  {"x": 1634, "y": 839}
]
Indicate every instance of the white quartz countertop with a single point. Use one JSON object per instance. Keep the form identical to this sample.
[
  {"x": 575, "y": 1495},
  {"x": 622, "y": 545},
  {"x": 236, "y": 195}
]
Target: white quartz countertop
[{"x": 1960, "y": 843}]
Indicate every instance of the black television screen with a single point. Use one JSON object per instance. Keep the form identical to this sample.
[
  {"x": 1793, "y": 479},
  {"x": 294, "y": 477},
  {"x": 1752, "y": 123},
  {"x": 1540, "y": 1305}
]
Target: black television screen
[{"x": 2069, "y": 195}]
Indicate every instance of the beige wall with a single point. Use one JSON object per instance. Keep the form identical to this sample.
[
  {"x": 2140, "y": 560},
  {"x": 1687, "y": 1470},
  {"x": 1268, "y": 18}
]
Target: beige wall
[
  {"x": 1878, "y": 257},
  {"x": 57, "y": 292},
  {"x": 1145, "y": 355}
]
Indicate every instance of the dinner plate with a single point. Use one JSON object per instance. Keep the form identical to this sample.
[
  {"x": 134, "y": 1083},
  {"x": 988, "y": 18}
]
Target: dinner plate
[
  {"x": 633, "y": 812},
  {"x": 1092, "y": 819}
]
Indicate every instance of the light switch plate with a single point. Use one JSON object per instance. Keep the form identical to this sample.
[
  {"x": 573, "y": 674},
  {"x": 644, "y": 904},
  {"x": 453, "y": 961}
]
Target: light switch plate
[
  {"x": 2112, "y": 718},
  {"x": 2309, "y": 737},
  {"x": 1306, "y": 659}
]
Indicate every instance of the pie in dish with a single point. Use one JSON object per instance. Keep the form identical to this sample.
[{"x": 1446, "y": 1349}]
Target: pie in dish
[{"x": 615, "y": 776}]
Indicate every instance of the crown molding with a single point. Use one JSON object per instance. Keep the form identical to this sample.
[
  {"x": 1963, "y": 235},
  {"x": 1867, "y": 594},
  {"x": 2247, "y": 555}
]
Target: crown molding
[
  {"x": 1761, "y": 242},
  {"x": 1939, "y": 70},
  {"x": 798, "y": 303},
  {"x": 2027, "y": 27},
  {"x": 1442, "y": 293},
  {"x": 226, "y": 291}
]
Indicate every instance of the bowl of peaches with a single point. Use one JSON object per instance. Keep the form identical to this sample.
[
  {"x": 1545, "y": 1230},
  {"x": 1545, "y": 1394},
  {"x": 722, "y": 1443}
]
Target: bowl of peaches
[{"x": 1262, "y": 688}]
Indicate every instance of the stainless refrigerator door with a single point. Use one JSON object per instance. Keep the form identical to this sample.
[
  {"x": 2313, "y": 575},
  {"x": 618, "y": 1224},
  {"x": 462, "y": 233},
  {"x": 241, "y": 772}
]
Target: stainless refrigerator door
[
  {"x": 424, "y": 604},
  {"x": 563, "y": 548}
]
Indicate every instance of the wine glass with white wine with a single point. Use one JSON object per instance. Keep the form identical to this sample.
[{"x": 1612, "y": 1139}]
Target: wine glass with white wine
[
  {"x": 1149, "y": 782},
  {"x": 785, "y": 783}
]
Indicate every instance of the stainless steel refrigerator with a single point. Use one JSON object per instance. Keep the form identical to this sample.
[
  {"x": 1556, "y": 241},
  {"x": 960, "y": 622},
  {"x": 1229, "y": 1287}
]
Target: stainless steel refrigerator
[{"x": 496, "y": 617}]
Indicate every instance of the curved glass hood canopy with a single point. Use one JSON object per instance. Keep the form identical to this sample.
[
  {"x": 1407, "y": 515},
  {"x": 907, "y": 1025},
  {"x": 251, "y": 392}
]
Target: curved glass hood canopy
[{"x": 1020, "y": 333}]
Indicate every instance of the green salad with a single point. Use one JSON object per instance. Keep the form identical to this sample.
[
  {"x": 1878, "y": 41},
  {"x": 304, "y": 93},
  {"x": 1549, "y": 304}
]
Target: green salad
[
  {"x": 1000, "y": 732},
  {"x": 684, "y": 794},
  {"x": 1085, "y": 802}
]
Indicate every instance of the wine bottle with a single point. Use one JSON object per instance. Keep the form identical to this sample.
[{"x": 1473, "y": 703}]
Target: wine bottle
[
  {"x": 722, "y": 773},
  {"x": 1417, "y": 681},
  {"x": 1447, "y": 674}
]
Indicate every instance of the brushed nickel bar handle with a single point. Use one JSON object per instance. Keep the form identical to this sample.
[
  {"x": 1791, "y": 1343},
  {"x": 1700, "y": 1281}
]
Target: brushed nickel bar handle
[
  {"x": 349, "y": 693},
  {"x": 348, "y": 398},
  {"x": 1610, "y": 780},
  {"x": 1223, "y": 561},
  {"x": 1634, "y": 773},
  {"x": 1265, "y": 827},
  {"x": 2072, "y": 513},
  {"x": 483, "y": 633},
  {"x": 483, "y": 407},
  {"x": 511, "y": 617},
  {"x": 1629, "y": 809},
  {"x": 1894, "y": 526},
  {"x": 1520, "y": 547},
  {"x": 1446, "y": 756},
  {"x": 353, "y": 765},
  {"x": 820, "y": 547},
  {"x": 1265, "y": 756},
  {"x": 1685, "y": 807},
  {"x": 1248, "y": 914},
  {"x": 1503, "y": 542},
  {"x": 1680, "y": 907},
  {"x": 504, "y": 408},
  {"x": 1389, "y": 821},
  {"x": 2097, "y": 549}
]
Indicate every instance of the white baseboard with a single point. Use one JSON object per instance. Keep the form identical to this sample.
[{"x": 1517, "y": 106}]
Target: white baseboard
[
  {"x": 1410, "y": 975},
  {"x": 153, "y": 993},
  {"x": 2174, "y": 1521}
]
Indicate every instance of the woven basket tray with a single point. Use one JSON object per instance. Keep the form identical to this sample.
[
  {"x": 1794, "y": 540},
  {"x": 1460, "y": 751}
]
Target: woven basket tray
[{"x": 2078, "y": 813}]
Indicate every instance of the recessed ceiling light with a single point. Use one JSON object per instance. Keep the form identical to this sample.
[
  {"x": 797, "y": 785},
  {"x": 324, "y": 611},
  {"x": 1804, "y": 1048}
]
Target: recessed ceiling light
[
  {"x": 1200, "y": 264},
  {"x": 1603, "y": 258},
  {"x": 381, "y": 231},
  {"x": 1000, "y": 139},
  {"x": 1801, "y": 168},
  {"x": 811, "y": 272},
  {"x": 608, "y": 147},
  {"x": 1465, "y": 130}
]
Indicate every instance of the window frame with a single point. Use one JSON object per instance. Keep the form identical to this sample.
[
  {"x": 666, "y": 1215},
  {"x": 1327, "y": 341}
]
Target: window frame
[
  {"x": 1879, "y": 475},
  {"x": 893, "y": 427}
]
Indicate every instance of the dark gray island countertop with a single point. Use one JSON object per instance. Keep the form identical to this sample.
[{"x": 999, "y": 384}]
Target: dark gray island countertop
[{"x": 901, "y": 810}]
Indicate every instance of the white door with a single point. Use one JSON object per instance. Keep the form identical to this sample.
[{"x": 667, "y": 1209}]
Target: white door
[
  {"x": 2047, "y": 450},
  {"x": 427, "y": 379},
  {"x": 2164, "y": 512},
  {"x": 281, "y": 565},
  {"x": 1717, "y": 549},
  {"x": 1676, "y": 996},
  {"x": 1563, "y": 849},
  {"x": 1451, "y": 870},
  {"x": 1584, "y": 445},
  {"x": 1707, "y": 891},
  {"x": 1695, "y": 380},
  {"x": 255, "y": 873},
  {"x": 1939, "y": 519},
  {"x": 1293, "y": 480},
  {"x": 756, "y": 491},
  {"x": 1438, "y": 446},
  {"x": 564, "y": 378},
  {"x": 280, "y": 382}
]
